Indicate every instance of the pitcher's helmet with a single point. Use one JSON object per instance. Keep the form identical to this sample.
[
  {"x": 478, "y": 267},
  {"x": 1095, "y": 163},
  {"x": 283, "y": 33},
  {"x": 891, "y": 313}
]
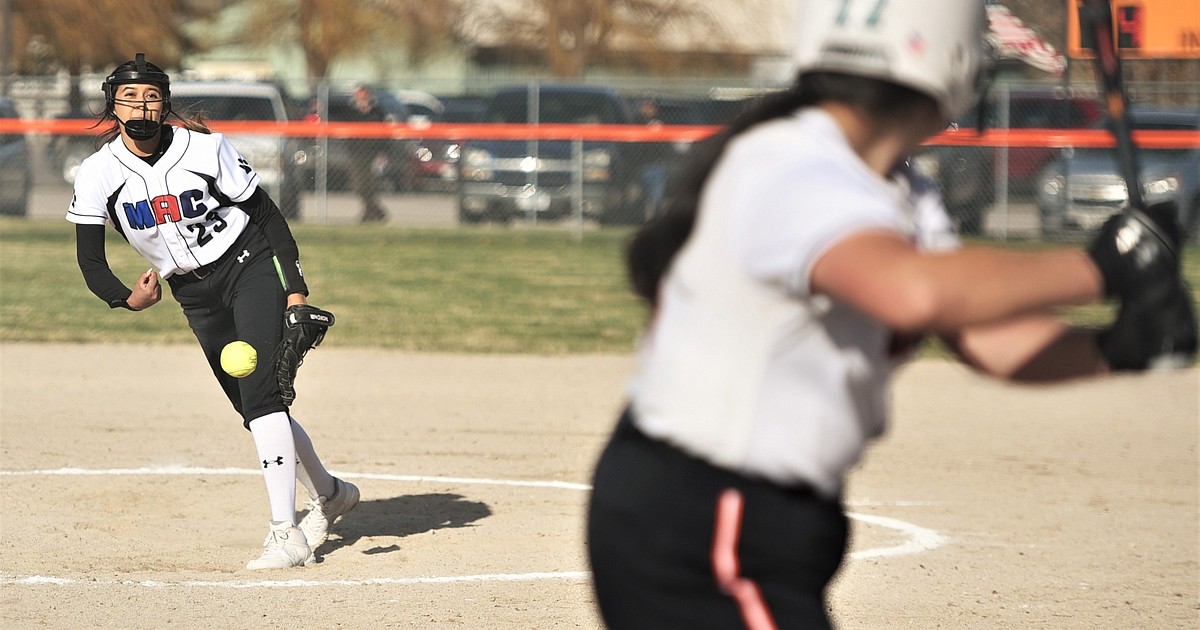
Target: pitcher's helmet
[
  {"x": 936, "y": 47},
  {"x": 137, "y": 71}
]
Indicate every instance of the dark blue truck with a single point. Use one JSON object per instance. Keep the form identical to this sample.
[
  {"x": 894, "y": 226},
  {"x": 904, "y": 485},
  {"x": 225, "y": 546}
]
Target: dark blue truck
[{"x": 501, "y": 180}]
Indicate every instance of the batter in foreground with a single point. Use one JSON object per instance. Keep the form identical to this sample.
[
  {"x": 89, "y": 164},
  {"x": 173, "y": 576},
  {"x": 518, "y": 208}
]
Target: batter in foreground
[{"x": 798, "y": 262}]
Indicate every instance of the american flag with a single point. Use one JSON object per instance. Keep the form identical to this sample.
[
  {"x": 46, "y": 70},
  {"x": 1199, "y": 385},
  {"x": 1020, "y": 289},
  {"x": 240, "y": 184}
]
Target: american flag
[{"x": 916, "y": 44}]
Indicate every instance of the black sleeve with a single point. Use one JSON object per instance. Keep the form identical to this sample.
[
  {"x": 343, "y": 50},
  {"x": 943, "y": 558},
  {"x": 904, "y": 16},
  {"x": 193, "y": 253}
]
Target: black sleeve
[
  {"x": 89, "y": 250},
  {"x": 266, "y": 215}
]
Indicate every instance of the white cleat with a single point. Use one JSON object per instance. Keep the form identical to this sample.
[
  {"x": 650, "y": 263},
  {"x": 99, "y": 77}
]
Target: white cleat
[
  {"x": 322, "y": 512},
  {"x": 284, "y": 548}
]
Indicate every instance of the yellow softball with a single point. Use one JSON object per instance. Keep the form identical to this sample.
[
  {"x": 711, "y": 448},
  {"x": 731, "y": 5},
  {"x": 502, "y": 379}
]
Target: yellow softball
[{"x": 238, "y": 359}]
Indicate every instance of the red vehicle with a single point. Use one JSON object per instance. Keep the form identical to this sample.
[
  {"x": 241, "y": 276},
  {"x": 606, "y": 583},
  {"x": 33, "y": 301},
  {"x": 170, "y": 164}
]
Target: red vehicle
[
  {"x": 437, "y": 158},
  {"x": 968, "y": 175}
]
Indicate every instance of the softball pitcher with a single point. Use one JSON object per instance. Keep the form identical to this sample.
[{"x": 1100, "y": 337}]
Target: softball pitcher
[
  {"x": 797, "y": 263},
  {"x": 190, "y": 204}
]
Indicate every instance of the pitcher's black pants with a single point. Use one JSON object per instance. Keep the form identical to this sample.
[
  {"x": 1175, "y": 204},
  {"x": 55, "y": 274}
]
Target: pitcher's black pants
[{"x": 238, "y": 297}]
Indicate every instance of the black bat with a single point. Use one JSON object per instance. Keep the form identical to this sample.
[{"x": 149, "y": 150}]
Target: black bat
[{"x": 1096, "y": 19}]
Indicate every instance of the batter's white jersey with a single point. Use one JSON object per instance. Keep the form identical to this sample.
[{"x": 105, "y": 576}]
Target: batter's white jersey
[
  {"x": 179, "y": 213},
  {"x": 743, "y": 366}
]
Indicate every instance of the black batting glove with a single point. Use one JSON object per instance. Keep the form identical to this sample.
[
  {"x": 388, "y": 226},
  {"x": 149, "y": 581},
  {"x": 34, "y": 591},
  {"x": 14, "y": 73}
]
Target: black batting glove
[
  {"x": 1156, "y": 328},
  {"x": 1138, "y": 249}
]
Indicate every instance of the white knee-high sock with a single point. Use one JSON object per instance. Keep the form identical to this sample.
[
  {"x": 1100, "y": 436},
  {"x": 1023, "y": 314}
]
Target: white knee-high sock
[
  {"x": 277, "y": 457},
  {"x": 310, "y": 470}
]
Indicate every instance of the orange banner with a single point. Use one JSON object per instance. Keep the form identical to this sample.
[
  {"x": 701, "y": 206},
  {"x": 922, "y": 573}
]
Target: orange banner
[{"x": 1167, "y": 29}]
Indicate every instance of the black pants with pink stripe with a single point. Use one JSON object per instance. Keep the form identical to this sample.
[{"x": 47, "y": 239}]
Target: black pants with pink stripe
[{"x": 675, "y": 542}]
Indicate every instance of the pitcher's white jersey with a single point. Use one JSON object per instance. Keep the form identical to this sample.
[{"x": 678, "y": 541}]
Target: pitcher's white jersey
[
  {"x": 743, "y": 366},
  {"x": 179, "y": 213}
]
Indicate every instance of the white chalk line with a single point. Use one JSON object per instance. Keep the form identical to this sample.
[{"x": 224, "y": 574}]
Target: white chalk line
[
  {"x": 919, "y": 538},
  {"x": 38, "y": 580},
  {"x": 192, "y": 471}
]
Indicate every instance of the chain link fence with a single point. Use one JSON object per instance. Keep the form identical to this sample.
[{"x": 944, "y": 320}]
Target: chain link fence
[
  {"x": 575, "y": 169},
  {"x": 1003, "y": 190}
]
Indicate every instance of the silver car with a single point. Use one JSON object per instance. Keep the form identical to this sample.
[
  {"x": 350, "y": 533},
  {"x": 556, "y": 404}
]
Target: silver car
[
  {"x": 270, "y": 153},
  {"x": 1079, "y": 191}
]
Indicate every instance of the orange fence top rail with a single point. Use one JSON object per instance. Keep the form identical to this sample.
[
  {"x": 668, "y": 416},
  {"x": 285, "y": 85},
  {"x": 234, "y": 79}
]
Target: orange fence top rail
[
  {"x": 1061, "y": 138},
  {"x": 1050, "y": 138}
]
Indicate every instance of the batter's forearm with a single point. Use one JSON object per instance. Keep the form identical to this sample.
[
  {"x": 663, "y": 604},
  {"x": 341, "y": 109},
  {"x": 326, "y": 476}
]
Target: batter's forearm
[
  {"x": 977, "y": 285},
  {"x": 1032, "y": 348}
]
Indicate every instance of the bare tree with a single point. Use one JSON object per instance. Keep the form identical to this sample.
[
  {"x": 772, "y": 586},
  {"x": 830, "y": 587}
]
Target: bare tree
[
  {"x": 575, "y": 34},
  {"x": 79, "y": 34},
  {"x": 429, "y": 25},
  {"x": 328, "y": 30}
]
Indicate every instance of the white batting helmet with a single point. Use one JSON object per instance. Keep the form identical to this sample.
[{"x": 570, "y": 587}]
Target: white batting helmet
[{"x": 936, "y": 47}]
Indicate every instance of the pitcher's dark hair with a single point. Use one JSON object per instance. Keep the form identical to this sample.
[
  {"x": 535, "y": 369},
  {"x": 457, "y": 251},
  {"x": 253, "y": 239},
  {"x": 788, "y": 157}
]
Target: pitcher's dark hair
[{"x": 655, "y": 244}]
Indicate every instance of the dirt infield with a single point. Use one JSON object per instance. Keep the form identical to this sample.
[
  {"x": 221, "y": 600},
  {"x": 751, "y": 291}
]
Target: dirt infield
[{"x": 132, "y": 499}]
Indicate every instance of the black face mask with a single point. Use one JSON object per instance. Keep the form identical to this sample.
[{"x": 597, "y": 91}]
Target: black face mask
[{"x": 142, "y": 128}]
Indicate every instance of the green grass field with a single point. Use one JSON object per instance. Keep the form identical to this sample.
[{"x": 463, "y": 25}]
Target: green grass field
[
  {"x": 469, "y": 290},
  {"x": 431, "y": 290}
]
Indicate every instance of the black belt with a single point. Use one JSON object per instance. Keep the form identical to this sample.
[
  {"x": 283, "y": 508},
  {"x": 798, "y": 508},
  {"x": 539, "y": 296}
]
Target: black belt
[{"x": 203, "y": 271}]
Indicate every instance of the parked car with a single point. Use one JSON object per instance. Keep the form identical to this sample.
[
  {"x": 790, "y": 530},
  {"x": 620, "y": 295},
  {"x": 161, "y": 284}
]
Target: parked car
[
  {"x": 503, "y": 180},
  {"x": 1081, "y": 190},
  {"x": 967, "y": 175},
  {"x": 463, "y": 108},
  {"x": 422, "y": 106},
  {"x": 722, "y": 111},
  {"x": 668, "y": 111},
  {"x": 16, "y": 174},
  {"x": 67, "y": 151},
  {"x": 269, "y": 154},
  {"x": 392, "y": 163},
  {"x": 437, "y": 158}
]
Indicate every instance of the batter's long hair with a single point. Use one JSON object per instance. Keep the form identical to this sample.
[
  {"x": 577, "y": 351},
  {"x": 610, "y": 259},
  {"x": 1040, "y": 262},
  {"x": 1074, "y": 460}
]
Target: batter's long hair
[{"x": 655, "y": 245}]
